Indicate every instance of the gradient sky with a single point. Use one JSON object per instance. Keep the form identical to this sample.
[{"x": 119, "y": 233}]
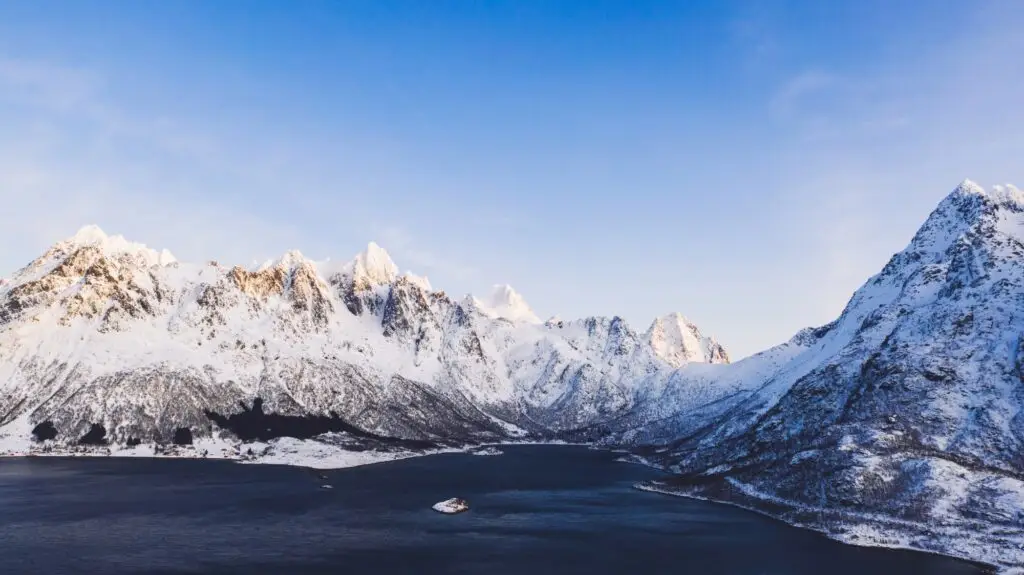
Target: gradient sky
[{"x": 748, "y": 164}]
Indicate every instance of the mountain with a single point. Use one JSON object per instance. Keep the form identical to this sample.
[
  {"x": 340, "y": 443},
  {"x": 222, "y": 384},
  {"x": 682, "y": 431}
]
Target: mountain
[
  {"x": 105, "y": 341},
  {"x": 677, "y": 342},
  {"x": 902, "y": 422},
  {"x": 506, "y": 303}
]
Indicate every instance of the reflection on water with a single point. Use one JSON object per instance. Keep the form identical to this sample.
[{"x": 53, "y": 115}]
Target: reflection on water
[{"x": 534, "y": 510}]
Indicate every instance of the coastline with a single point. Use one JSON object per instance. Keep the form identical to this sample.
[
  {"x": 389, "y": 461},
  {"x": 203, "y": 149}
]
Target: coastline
[
  {"x": 883, "y": 532},
  {"x": 324, "y": 452},
  {"x": 308, "y": 453}
]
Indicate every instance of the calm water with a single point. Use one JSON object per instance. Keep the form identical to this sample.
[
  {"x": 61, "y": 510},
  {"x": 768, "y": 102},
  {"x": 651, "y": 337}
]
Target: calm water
[{"x": 534, "y": 510}]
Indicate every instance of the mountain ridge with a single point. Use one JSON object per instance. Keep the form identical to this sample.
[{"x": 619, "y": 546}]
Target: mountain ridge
[{"x": 353, "y": 341}]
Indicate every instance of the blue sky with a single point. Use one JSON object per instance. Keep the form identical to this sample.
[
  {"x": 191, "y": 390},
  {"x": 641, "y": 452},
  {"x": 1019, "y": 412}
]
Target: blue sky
[{"x": 748, "y": 164}]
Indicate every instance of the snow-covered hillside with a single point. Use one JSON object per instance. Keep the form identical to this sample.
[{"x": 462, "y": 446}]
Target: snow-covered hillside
[
  {"x": 902, "y": 422},
  {"x": 104, "y": 340}
]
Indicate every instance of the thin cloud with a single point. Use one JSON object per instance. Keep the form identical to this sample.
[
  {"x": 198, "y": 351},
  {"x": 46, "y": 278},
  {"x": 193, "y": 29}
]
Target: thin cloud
[
  {"x": 45, "y": 84},
  {"x": 791, "y": 97}
]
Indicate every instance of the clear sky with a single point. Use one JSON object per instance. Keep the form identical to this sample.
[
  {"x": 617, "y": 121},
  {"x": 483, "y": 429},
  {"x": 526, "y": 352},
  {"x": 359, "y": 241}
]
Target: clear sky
[{"x": 748, "y": 164}]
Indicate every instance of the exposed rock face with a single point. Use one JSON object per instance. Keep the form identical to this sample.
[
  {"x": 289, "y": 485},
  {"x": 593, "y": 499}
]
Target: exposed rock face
[
  {"x": 293, "y": 279},
  {"x": 104, "y": 332}
]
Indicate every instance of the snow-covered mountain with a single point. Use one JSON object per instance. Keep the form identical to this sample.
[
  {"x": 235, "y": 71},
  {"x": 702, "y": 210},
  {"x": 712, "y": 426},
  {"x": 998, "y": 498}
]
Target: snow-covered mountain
[
  {"x": 107, "y": 340},
  {"x": 677, "y": 341},
  {"x": 506, "y": 303},
  {"x": 902, "y": 422}
]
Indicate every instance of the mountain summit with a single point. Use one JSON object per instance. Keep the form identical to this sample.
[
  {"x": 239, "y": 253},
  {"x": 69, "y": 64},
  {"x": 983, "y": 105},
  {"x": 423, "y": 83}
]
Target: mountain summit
[
  {"x": 677, "y": 341},
  {"x": 505, "y": 302}
]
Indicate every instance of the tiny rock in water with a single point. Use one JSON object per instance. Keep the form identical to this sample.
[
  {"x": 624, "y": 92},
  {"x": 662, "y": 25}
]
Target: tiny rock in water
[{"x": 451, "y": 506}]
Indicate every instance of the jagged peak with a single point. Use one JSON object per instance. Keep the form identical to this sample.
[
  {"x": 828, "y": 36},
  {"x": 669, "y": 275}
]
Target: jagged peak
[
  {"x": 290, "y": 259},
  {"x": 1000, "y": 194},
  {"x": 505, "y": 302},
  {"x": 92, "y": 235},
  {"x": 969, "y": 187},
  {"x": 89, "y": 234},
  {"x": 503, "y": 294},
  {"x": 966, "y": 207},
  {"x": 373, "y": 264},
  {"x": 676, "y": 341},
  {"x": 674, "y": 318}
]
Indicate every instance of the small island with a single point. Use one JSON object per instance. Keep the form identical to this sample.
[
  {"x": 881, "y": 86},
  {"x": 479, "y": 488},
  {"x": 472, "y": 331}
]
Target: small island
[{"x": 451, "y": 506}]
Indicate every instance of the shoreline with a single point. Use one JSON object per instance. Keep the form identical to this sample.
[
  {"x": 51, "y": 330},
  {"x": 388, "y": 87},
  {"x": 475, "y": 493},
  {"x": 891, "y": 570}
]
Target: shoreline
[
  {"x": 878, "y": 524},
  {"x": 320, "y": 454},
  {"x": 993, "y": 567},
  {"x": 306, "y": 453}
]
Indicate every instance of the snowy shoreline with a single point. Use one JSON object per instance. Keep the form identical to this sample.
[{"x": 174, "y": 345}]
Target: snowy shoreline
[
  {"x": 309, "y": 453},
  {"x": 862, "y": 532},
  {"x": 321, "y": 453}
]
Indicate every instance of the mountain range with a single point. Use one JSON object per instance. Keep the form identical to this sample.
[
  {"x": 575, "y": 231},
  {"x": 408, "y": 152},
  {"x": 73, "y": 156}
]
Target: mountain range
[
  {"x": 901, "y": 423},
  {"x": 103, "y": 336}
]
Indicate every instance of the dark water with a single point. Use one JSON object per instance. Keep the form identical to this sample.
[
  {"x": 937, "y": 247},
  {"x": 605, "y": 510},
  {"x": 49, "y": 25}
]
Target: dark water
[{"x": 535, "y": 510}]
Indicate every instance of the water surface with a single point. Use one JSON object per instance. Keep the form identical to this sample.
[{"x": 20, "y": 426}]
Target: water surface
[{"x": 534, "y": 510}]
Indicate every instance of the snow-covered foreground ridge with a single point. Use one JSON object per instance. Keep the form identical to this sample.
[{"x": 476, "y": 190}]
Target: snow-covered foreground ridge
[
  {"x": 905, "y": 416},
  {"x": 103, "y": 340}
]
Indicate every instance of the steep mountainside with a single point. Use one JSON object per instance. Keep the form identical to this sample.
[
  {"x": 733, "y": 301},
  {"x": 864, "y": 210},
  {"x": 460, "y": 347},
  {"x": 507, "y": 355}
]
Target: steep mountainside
[
  {"x": 902, "y": 422},
  {"x": 104, "y": 340}
]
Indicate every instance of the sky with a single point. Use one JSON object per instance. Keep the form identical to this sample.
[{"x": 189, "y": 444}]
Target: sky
[{"x": 749, "y": 164}]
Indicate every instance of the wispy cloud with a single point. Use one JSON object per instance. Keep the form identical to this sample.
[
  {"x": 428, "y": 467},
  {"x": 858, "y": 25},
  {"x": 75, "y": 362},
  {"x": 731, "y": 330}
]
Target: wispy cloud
[
  {"x": 45, "y": 84},
  {"x": 791, "y": 98},
  {"x": 78, "y": 94},
  {"x": 819, "y": 106},
  {"x": 755, "y": 37}
]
